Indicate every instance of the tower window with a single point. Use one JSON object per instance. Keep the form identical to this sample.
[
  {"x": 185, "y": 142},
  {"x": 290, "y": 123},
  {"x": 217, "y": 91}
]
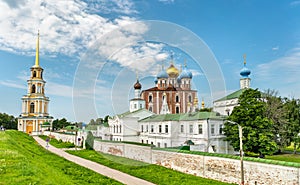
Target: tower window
[
  {"x": 177, "y": 98},
  {"x": 32, "y": 107},
  {"x": 190, "y": 98},
  {"x": 34, "y": 74},
  {"x": 177, "y": 110},
  {"x": 33, "y": 89},
  {"x": 150, "y": 98}
]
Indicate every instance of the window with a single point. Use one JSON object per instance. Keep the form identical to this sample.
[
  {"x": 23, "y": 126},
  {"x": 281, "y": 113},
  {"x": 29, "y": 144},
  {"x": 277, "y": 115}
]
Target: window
[
  {"x": 191, "y": 129},
  {"x": 141, "y": 106},
  {"x": 33, "y": 89},
  {"x": 177, "y": 98},
  {"x": 142, "y": 141},
  {"x": 212, "y": 129},
  {"x": 200, "y": 129},
  {"x": 150, "y": 108},
  {"x": 146, "y": 141},
  {"x": 221, "y": 129},
  {"x": 166, "y": 145},
  {"x": 166, "y": 128},
  {"x": 142, "y": 128},
  {"x": 120, "y": 128},
  {"x": 181, "y": 128},
  {"x": 134, "y": 106},
  {"x": 190, "y": 98},
  {"x": 158, "y": 144},
  {"x": 150, "y": 98},
  {"x": 152, "y": 128},
  {"x": 146, "y": 128},
  {"x": 32, "y": 107},
  {"x": 34, "y": 74},
  {"x": 114, "y": 129},
  {"x": 177, "y": 110},
  {"x": 159, "y": 128}
]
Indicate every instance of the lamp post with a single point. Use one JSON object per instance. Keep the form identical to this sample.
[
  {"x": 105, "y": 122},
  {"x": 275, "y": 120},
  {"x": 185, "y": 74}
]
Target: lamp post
[{"x": 241, "y": 149}]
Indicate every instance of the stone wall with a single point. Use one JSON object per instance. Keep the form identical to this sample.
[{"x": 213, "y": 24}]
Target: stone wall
[{"x": 222, "y": 169}]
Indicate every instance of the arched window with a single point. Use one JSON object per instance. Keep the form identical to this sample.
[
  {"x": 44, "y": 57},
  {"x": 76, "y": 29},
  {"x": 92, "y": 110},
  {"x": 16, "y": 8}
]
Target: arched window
[
  {"x": 150, "y": 98},
  {"x": 177, "y": 110},
  {"x": 42, "y": 74},
  {"x": 32, "y": 107},
  {"x": 177, "y": 98},
  {"x": 33, "y": 88},
  {"x": 190, "y": 98},
  {"x": 34, "y": 74}
]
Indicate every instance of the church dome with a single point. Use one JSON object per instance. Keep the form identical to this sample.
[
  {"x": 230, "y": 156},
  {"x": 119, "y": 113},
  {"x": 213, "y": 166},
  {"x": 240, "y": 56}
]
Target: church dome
[
  {"x": 172, "y": 70},
  {"x": 245, "y": 72},
  {"x": 137, "y": 85},
  {"x": 186, "y": 73},
  {"x": 162, "y": 74},
  {"x": 155, "y": 80}
]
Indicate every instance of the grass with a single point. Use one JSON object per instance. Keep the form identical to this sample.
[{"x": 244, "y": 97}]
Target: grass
[
  {"x": 58, "y": 143},
  {"x": 23, "y": 161},
  {"x": 149, "y": 172},
  {"x": 285, "y": 157}
]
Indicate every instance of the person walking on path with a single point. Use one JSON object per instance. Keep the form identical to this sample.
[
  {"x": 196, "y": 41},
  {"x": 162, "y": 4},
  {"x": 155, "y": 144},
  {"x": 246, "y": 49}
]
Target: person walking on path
[{"x": 101, "y": 169}]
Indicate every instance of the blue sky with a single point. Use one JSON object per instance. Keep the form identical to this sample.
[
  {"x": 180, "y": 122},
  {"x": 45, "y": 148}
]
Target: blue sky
[{"x": 91, "y": 50}]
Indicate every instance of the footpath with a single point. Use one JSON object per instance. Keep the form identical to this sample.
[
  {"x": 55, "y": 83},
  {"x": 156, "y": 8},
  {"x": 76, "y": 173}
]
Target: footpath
[{"x": 103, "y": 170}]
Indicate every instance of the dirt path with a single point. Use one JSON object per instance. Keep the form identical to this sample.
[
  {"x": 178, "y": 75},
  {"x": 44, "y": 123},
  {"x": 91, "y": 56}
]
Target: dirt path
[{"x": 114, "y": 174}]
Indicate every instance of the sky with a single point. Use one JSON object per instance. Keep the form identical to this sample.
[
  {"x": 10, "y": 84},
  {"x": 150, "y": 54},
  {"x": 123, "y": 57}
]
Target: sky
[{"x": 92, "y": 51}]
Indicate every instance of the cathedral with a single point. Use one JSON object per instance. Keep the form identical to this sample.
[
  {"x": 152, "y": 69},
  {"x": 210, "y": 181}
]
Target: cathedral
[
  {"x": 172, "y": 93},
  {"x": 35, "y": 117}
]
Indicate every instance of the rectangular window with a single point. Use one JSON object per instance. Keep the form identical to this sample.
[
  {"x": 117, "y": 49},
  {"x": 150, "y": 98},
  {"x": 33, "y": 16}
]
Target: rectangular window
[
  {"x": 221, "y": 129},
  {"x": 159, "y": 128},
  {"x": 152, "y": 128},
  {"x": 181, "y": 128},
  {"x": 166, "y": 145},
  {"x": 200, "y": 129},
  {"x": 191, "y": 129},
  {"x": 146, "y": 128},
  {"x": 212, "y": 129},
  {"x": 158, "y": 144},
  {"x": 142, "y": 128},
  {"x": 135, "y": 106},
  {"x": 166, "y": 128}
]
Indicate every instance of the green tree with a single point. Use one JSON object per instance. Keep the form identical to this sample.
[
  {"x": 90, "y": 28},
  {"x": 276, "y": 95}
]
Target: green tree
[
  {"x": 8, "y": 121},
  {"x": 89, "y": 142},
  {"x": 257, "y": 134},
  {"x": 292, "y": 108},
  {"x": 276, "y": 112},
  {"x": 60, "y": 123}
]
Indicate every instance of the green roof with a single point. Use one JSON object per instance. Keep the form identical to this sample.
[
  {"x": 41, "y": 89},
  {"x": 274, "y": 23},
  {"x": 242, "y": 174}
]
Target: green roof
[
  {"x": 129, "y": 113},
  {"x": 183, "y": 117},
  {"x": 233, "y": 95}
]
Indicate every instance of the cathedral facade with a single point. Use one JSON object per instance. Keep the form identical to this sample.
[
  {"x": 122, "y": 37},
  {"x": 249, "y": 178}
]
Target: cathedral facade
[
  {"x": 35, "y": 117},
  {"x": 172, "y": 93}
]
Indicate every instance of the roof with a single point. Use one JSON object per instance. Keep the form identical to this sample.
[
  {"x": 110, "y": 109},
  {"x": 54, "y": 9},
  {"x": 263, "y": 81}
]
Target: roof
[
  {"x": 233, "y": 95},
  {"x": 170, "y": 88},
  {"x": 183, "y": 117},
  {"x": 128, "y": 113}
]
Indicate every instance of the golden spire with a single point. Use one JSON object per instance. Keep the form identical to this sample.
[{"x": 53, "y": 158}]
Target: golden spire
[
  {"x": 202, "y": 104},
  {"x": 244, "y": 59},
  {"x": 185, "y": 63},
  {"x": 37, "y": 51}
]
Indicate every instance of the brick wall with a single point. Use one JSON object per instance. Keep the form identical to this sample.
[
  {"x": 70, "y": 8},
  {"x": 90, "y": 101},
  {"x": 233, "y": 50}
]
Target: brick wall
[{"x": 222, "y": 169}]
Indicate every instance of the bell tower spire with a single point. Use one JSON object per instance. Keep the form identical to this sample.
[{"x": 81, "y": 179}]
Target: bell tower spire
[{"x": 37, "y": 62}]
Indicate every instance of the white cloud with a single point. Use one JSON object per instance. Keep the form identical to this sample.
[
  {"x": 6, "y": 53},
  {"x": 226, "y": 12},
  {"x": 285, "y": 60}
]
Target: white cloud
[
  {"x": 295, "y": 3},
  {"x": 275, "y": 48},
  {"x": 167, "y": 1},
  {"x": 281, "y": 74},
  {"x": 13, "y": 84},
  {"x": 66, "y": 27}
]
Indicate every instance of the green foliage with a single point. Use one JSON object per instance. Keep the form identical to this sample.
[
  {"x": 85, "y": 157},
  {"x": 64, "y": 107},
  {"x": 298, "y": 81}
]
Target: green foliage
[
  {"x": 257, "y": 128},
  {"x": 23, "y": 161},
  {"x": 8, "y": 121},
  {"x": 60, "y": 123},
  {"x": 57, "y": 143},
  {"x": 89, "y": 142},
  {"x": 149, "y": 172}
]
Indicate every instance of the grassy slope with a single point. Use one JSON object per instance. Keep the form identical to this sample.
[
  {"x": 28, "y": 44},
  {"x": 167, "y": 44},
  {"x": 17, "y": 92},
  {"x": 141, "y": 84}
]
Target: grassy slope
[
  {"x": 153, "y": 173},
  {"x": 23, "y": 161}
]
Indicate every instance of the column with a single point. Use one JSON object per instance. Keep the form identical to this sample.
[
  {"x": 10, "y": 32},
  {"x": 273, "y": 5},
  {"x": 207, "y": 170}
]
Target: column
[{"x": 38, "y": 101}]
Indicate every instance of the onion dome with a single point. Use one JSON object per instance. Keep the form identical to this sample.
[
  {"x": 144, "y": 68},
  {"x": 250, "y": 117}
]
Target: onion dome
[
  {"x": 137, "y": 85},
  {"x": 162, "y": 74},
  {"x": 245, "y": 72},
  {"x": 186, "y": 73},
  {"x": 155, "y": 80},
  {"x": 172, "y": 71}
]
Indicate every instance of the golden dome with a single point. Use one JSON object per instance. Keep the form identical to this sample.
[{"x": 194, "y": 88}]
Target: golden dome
[{"x": 172, "y": 70}]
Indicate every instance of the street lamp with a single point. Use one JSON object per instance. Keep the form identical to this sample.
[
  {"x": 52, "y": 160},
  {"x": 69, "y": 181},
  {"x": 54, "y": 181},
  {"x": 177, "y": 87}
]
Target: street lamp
[{"x": 241, "y": 149}]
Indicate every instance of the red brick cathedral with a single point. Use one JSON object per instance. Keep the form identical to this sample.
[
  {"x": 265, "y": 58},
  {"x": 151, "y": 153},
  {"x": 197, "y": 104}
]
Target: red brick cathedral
[{"x": 172, "y": 93}]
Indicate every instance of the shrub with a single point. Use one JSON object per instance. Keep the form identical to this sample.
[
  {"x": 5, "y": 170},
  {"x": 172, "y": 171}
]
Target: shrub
[{"x": 89, "y": 142}]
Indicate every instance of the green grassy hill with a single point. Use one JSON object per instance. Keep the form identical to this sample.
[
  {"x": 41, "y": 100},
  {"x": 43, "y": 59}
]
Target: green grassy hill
[{"x": 23, "y": 161}]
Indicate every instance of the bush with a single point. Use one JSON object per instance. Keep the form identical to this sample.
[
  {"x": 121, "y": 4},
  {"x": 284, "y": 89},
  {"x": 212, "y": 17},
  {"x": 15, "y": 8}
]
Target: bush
[{"x": 89, "y": 142}]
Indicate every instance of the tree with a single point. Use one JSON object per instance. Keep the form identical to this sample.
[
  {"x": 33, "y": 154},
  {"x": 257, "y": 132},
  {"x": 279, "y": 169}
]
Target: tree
[
  {"x": 8, "y": 121},
  {"x": 89, "y": 142},
  {"x": 58, "y": 124},
  {"x": 276, "y": 112},
  {"x": 292, "y": 115},
  {"x": 257, "y": 134},
  {"x": 92, "y": 122}
]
